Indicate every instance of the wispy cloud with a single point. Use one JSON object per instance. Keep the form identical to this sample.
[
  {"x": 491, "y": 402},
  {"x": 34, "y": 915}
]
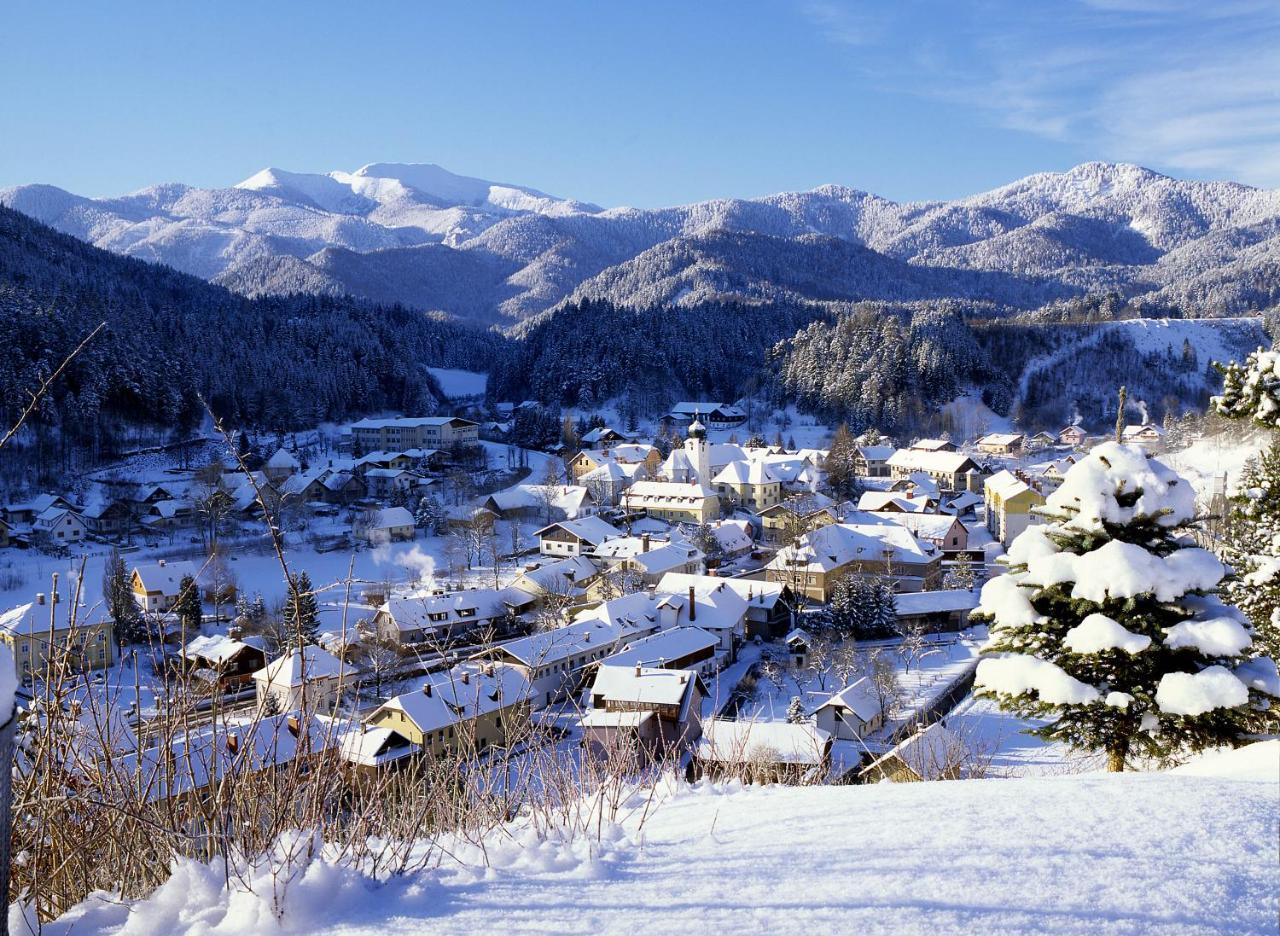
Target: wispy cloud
[{"x": 1179, "y": 84}]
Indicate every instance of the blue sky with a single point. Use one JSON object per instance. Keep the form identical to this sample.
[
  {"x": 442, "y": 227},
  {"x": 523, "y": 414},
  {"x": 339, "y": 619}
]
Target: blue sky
[{"x": 646, "y": 103}]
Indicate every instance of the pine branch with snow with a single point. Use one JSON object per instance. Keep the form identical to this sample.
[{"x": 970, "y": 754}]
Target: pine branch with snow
[{"x": 1251, "y": 390}]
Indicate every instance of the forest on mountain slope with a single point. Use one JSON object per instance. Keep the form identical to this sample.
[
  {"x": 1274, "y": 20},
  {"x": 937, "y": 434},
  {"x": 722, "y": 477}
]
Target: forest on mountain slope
[{"x": 278, "y": 362}]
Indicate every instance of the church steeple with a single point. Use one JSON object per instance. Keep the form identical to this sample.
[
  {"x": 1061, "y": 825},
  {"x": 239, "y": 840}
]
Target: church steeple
[{"x": 696, "y": 447}]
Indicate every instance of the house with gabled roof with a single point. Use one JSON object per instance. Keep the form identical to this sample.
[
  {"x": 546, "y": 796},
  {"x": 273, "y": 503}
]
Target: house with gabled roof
[
  {"x": 553, "y": 661},
  {"x": 440, "y": 617},
  {"x": 1010, "y": 501},
  {"x": 58, "y": 526},
  {"x": 713, "y": 414},
  {"x": 933, "y": 753},
  {"x": 574, "y": 537},
  {"x": 156, "y": 585},
  {"x": 312, "y": 675},
  {"x": 762, "y": 751},
  {"x": 854, "y": 712},
  {"x": 946, "y": 468},
  {"x": 813, "y": 564},
  {"x": 1001, "y": 443},
  {"x": 465, "y": 709},
  {"x": 748, "y": 484},
  {"x": 642, "y": 711}
]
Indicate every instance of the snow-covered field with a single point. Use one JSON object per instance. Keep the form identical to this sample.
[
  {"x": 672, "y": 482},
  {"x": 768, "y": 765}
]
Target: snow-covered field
[
  {"x": 459, "y": 384},
  {"x": 1187, "y": 851}
]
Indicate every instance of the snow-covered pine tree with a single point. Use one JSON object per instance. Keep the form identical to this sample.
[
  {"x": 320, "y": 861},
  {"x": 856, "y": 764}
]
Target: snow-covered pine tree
[
  {"x": 1251, "y": 546},
  {"x": 795, "y": 711},
  {"x": 1108, "y": 622},
  {"x": 960, "y": 575},
  {"x": 301, "y": 614},
  {"x": 1252, "y": 390},
  {"x": 187, "y": 608}
]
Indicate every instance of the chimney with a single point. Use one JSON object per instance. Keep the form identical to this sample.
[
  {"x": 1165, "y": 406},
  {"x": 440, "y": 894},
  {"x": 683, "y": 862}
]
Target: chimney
[
  {"x": 693, "y": 606},
  {"x": 644, "y": 542},
  {"x": 466, "y": 678},
  {"x": 233, "y": 743},
  {"x": 294, "y": 727},
  {"x": 160, "y": 563},
  {"x": 40, "y": 599},
  {"x": 637, "y": 668},
  {"x": 426, "y": 689}
]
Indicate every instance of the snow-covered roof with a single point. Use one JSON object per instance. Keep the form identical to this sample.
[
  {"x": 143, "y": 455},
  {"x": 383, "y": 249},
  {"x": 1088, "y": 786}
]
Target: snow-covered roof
[
  {"x": 733, "y": 535},
  {"x": 461, "y": 693},
  {"x": 931, "y": 602},
  {"x": 932, "y": 527},
  {"x": 199, "y": 758},
  {"x": 412, "y": 422},
  {"x": 164, "y": 577},
  {"x": 219, "y": 648},
  {"x": 932, "y": 445},
  {"x": 716, "y": 607},
  {"x": 442, "y": 609},
  {"x": 740, "y": 742},
  {"x": 372, "y": 747},
  {"x": 553, "y": 646},
  {"x": 666, "y": 494},
  {"x": 876, "y": 501},
  {"x": 1006, "y": 484},
  {"x": 604, "y": 718},
  {"x": 561, "y": 577},
  {"x": 391, "y": 517},
  {"x": 311, "y": 663},
  {"x": 644, "y": 686},
  {"x": 838, "y": 544},
  {"x": 570, "y": 498},
  {"x": 689, "y": 408},
  {"x": 859, "y": 697},
  {"x": 756, "y": 592},
  {"x": 283, "y": 458},
  {"x": 752, "y": 472},
  {"x": 931, "y": 754},
  {"x": 797, "y": 635},
  {"x": 672, "y": 644},
  {"x": 1003, "y": 439},
  {"x": 590, "y": 529},
  {"x": 921, "y": 460},
  {"x": 876, "y": 453}
]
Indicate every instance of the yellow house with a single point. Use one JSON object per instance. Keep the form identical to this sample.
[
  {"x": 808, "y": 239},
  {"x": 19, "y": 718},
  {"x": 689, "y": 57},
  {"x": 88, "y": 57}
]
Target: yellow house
[
  {"x": 38, "y": 631},
  {"x": 1009, "y": 501},
  {"x": 812, "y": 566},
  {"x": 672, "y": 501},
  {"x": 465, "y": 709},
  {"x": 748, "y": 484},
  {"x": 156, "y": 585}
]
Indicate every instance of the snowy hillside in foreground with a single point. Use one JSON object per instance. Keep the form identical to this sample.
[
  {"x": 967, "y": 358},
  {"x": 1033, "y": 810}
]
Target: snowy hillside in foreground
[
  {"x": 1211, "y": 246},
  {"x": 1188, "y": 851}
]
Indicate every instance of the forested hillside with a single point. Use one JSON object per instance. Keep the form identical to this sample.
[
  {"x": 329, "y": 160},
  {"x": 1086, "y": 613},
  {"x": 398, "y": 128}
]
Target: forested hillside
[{"x": 278, "y": 362}]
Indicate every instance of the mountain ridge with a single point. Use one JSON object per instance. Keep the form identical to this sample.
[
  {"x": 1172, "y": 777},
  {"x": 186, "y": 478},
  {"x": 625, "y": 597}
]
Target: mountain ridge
[{"x": 1096, "y": 228}]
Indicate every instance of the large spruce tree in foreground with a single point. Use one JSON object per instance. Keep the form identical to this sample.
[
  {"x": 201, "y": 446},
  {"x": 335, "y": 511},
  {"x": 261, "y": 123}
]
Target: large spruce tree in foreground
[{"x": 1108, "y": 621}]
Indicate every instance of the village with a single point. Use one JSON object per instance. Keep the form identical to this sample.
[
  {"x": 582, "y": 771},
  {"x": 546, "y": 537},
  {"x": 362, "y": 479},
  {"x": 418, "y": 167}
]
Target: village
[{"x": 732, "y": 608}]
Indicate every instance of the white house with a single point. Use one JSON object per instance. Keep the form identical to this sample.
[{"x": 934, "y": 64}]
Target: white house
[
  {"x": 311, "y": 675},
  {"x": 58, "y": 526},
  {"x": 853, "y": 712},
  {"x": 390, "y": 525},
  {"x": 574, "y": 537}
]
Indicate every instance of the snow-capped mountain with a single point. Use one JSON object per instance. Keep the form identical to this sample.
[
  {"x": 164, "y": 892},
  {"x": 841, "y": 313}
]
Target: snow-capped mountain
[{"x": 488, "y": 251}]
